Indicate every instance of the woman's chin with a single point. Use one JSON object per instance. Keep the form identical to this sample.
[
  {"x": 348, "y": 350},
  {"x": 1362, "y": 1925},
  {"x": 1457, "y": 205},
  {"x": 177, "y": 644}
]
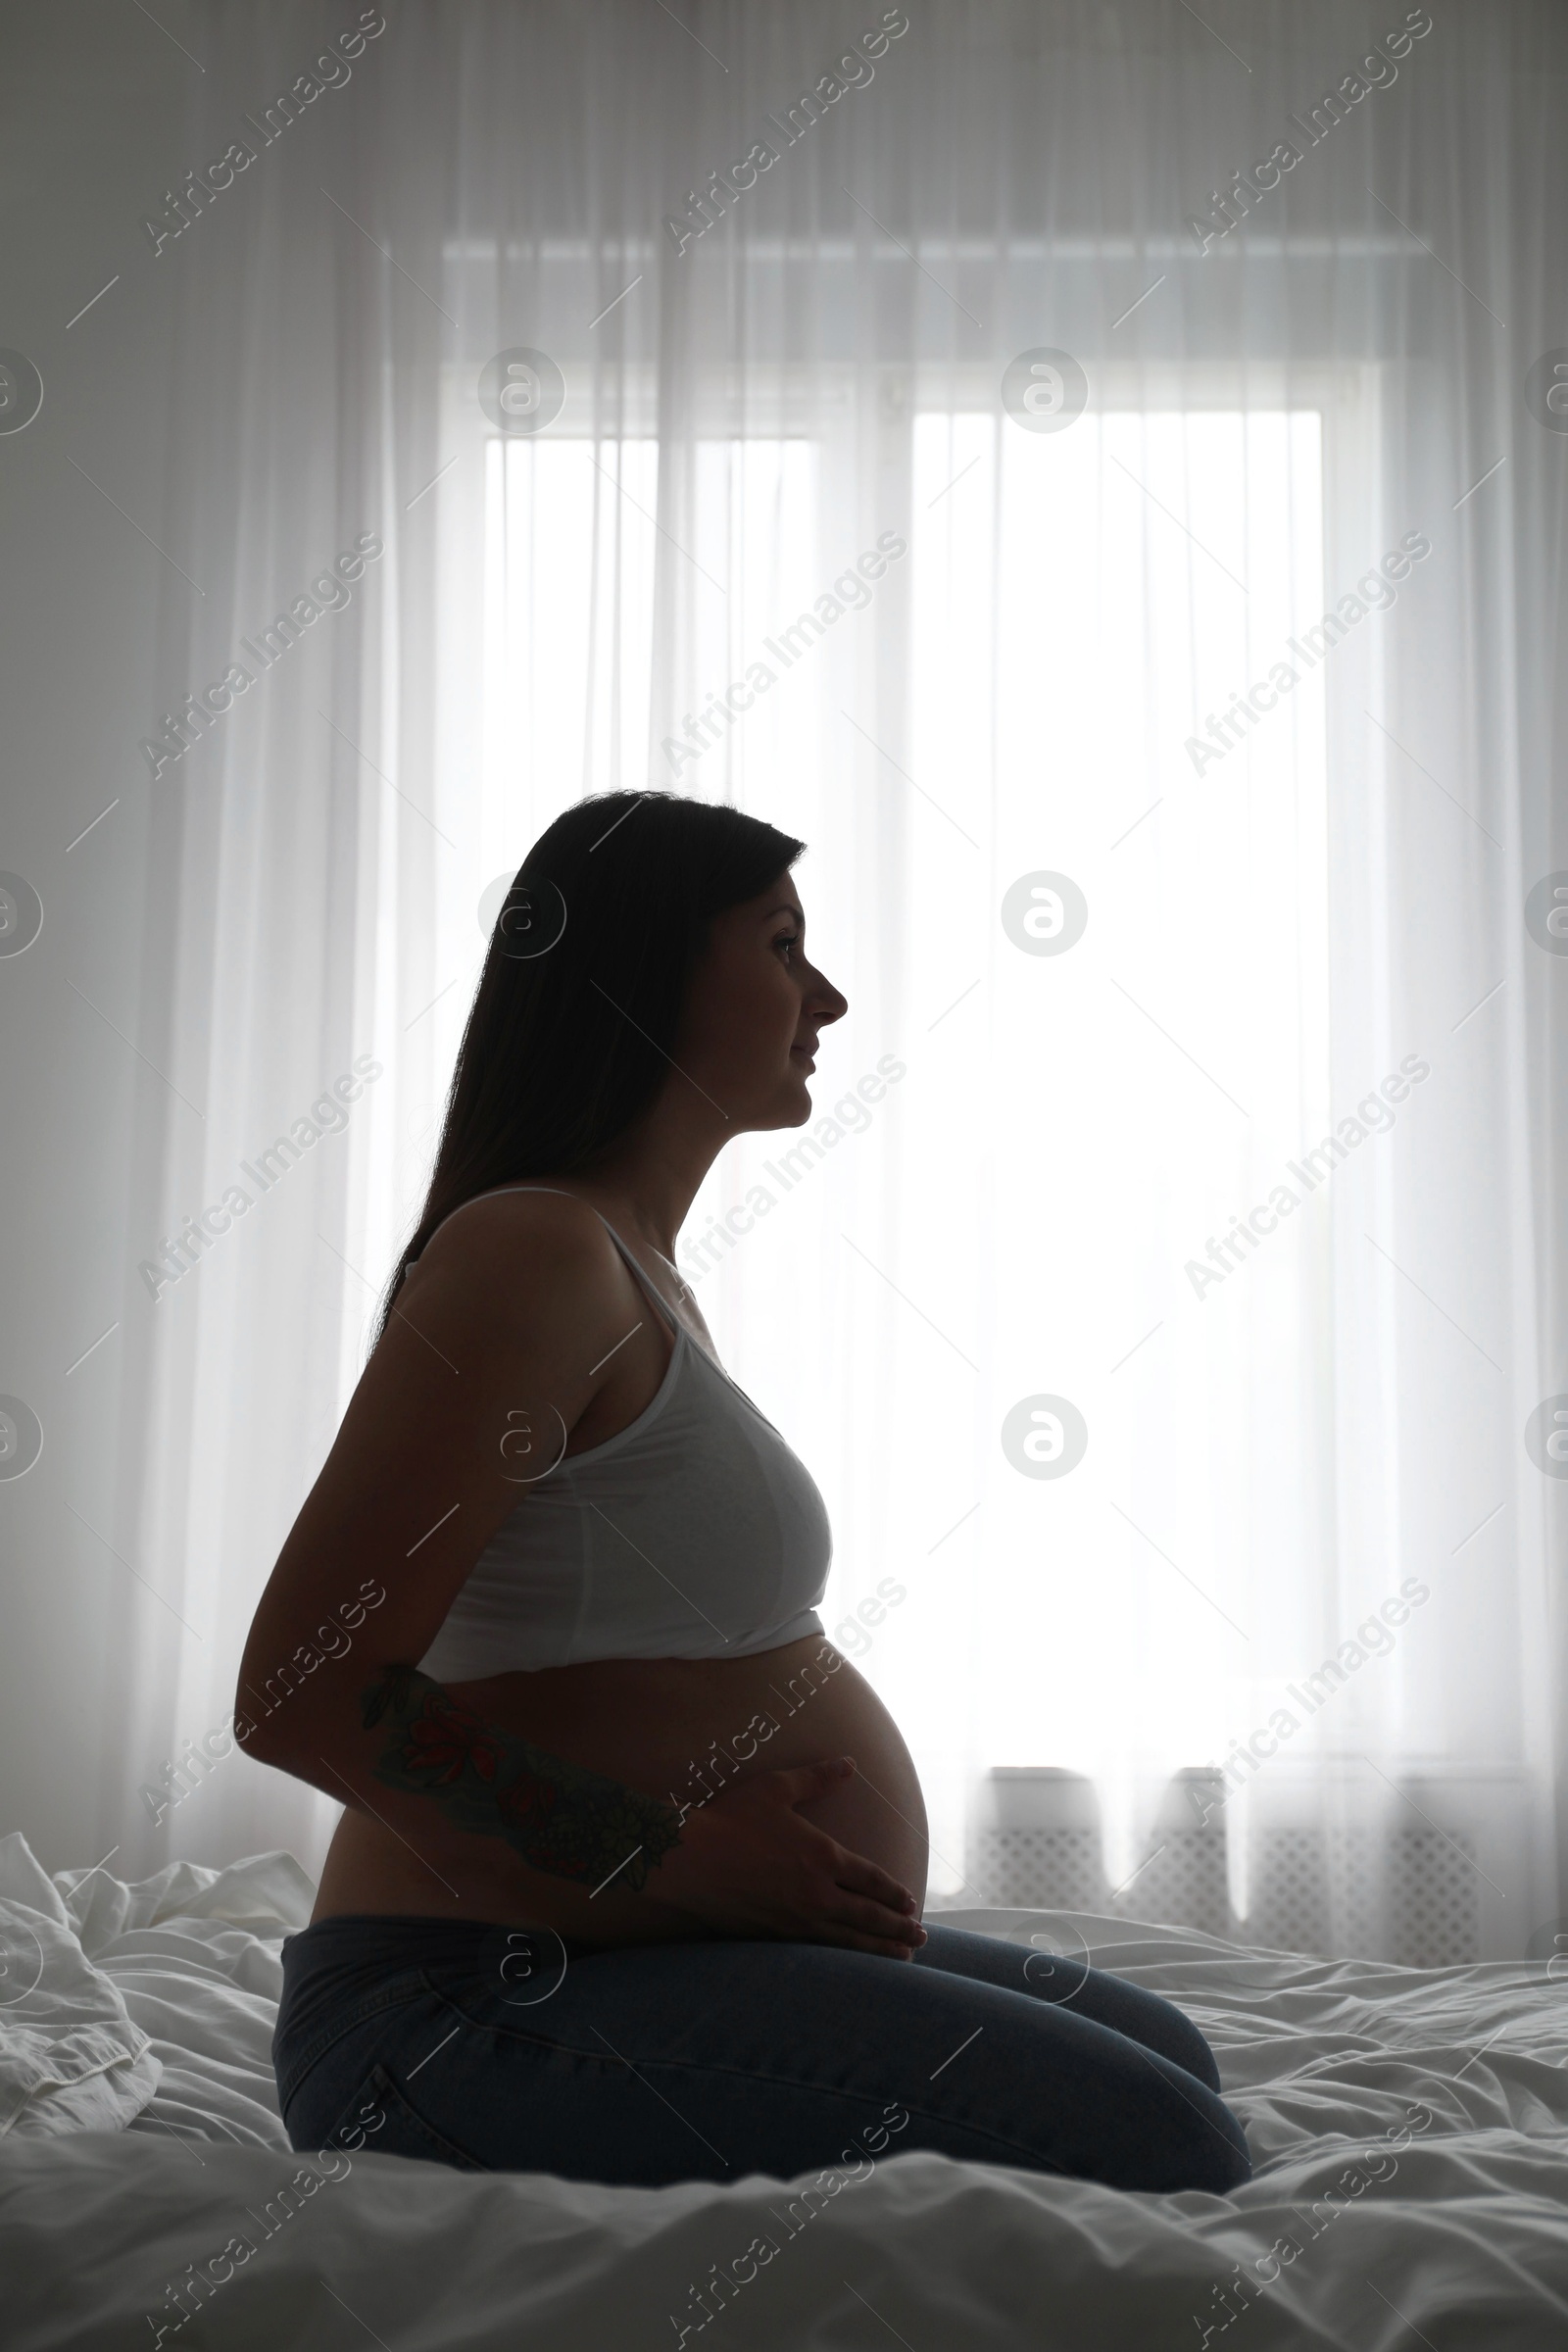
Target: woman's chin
[
  {"x": 794, "y": 1108},
  {"x": 788, "y": 1105}
]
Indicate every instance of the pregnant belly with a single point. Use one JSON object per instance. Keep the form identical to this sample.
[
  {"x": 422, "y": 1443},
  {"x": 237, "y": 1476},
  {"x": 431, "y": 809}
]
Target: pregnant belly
[{"x": 674, "y": 1728}]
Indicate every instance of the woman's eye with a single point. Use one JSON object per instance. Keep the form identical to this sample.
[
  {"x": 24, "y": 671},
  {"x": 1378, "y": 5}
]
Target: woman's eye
[{"x": 790, "y": 938}]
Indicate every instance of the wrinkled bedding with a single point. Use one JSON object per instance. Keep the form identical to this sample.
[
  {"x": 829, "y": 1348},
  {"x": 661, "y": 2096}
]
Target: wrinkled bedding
[{"x": 1409, "y": 2129}]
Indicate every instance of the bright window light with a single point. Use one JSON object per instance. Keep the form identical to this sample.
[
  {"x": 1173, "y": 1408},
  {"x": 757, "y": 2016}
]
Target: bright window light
[
  {"x": 1089, "y": 599},
  {"x": 568, "y": 618}
]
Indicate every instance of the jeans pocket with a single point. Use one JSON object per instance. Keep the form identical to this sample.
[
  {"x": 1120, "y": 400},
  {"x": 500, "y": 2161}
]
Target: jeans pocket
[{"x": 382, "y": 2117}]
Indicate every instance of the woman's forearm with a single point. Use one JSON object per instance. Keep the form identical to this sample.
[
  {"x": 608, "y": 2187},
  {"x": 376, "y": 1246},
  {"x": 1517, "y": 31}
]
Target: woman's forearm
[
  {"x": 408, "y": 1752},
  {"x": 559, "y": 1817}
]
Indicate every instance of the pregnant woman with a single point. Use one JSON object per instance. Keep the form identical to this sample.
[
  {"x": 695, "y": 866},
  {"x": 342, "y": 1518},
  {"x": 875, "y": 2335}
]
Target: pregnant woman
[{"x": 629, "y": 1879}]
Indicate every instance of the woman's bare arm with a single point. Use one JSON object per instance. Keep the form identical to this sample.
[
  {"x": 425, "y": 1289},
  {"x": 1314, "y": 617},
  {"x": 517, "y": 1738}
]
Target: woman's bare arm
[
  {"x": 510, "y": 1307},
  {"x": 562, "y": 1818}
]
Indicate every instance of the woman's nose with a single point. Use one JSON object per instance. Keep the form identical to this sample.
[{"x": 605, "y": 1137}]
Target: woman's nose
[{"x": 833, "y": 1004}]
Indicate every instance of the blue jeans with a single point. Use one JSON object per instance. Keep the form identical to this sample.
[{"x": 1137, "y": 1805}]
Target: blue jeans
[{"x": 506, "y": 2051}]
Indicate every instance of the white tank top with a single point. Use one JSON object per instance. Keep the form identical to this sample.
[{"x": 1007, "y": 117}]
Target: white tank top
[{"x": 693, "y": 1533}]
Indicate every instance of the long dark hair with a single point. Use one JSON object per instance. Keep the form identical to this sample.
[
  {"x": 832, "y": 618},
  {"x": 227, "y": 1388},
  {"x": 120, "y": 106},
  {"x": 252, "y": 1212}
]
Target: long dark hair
[{"x": 577, "y": 1006}]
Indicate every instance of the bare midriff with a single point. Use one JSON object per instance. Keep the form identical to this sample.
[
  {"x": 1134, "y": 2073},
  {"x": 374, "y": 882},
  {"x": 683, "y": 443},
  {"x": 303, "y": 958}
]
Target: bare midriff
[{"x": 679, "y": 1728}]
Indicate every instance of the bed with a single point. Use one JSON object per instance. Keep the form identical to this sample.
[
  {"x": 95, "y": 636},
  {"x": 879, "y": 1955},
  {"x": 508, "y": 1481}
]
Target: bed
[{"x": 1409, "y": 2129}]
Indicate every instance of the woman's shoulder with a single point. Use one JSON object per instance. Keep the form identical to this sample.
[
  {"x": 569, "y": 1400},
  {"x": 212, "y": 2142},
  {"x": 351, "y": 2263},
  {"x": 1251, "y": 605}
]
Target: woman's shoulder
[{"x": 518, "y": 1230}]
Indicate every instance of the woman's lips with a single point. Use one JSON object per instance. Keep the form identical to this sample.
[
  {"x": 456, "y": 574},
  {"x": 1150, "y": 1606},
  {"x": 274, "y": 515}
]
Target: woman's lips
[{"x": 800, "y": 1055}]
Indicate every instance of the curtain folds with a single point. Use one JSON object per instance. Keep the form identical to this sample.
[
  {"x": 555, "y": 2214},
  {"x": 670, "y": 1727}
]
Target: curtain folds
[{"x": 1128, "y": 557}]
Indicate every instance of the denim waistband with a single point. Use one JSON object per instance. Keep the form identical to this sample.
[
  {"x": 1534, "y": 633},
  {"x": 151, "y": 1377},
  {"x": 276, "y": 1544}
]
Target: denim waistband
[{"x": 375, "y": 1945}]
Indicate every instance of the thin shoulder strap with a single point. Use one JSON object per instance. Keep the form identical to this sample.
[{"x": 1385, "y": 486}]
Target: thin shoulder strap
[{"x": 643, "y": 1277}]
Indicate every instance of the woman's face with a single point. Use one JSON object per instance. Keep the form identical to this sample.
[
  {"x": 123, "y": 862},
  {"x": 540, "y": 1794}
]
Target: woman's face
[{"x": 754, "y": 1006}]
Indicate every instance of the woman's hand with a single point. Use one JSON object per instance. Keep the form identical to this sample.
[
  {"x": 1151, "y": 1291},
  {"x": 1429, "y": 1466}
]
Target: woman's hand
[{"x": 747, "y": 1865}]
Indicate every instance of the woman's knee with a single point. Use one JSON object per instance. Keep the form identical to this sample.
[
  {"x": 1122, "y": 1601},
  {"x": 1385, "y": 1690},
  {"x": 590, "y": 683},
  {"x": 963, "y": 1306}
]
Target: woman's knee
[
  {"x": 1214, "y": 2153},
  {"x": 1186, "y": 2047},
  {"x": 1149, "y": 2018}
]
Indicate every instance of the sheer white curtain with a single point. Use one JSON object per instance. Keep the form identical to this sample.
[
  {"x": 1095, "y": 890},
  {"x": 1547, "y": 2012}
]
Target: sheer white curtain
[{"x": 937, "y": 488}]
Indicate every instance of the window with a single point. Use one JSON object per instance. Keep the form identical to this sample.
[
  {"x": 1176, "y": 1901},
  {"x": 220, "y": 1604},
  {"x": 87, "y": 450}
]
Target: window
[
  {"x": 569, "y": 619},
  {"x": 1082, "y": 601},
  {"x": 1030, "y": 693}
]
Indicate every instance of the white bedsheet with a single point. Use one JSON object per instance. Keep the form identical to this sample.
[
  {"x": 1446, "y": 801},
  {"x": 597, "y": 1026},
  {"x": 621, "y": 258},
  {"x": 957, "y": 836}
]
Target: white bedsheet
[
  {"x": 1425, "y": 2110},
  {"x": 71, "y": 2057}
]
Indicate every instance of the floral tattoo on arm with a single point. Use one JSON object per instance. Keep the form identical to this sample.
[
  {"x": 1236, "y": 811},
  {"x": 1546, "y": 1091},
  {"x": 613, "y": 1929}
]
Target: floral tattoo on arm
[{"x": 562, "y": 1818}]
